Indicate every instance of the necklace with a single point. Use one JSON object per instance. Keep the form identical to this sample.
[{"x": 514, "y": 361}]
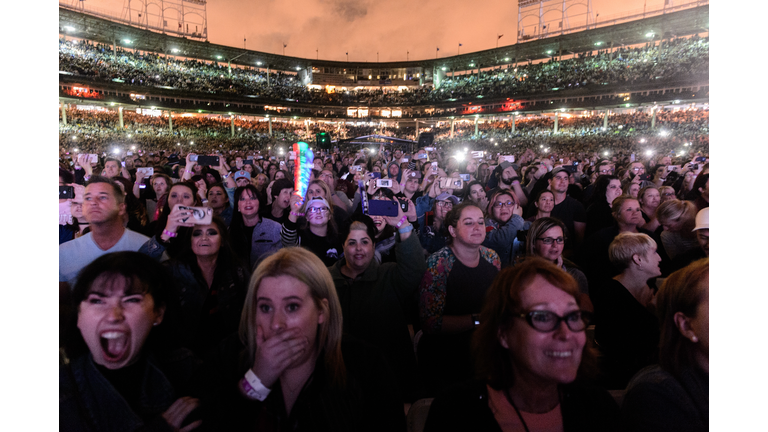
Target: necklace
[{"x": 519, "y": 414}]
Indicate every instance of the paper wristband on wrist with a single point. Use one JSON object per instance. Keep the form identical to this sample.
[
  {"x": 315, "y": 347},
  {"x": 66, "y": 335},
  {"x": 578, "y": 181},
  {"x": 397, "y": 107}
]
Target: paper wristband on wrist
[
  {"x": 297, "y": 214},
  {"x": 402, "y": 221},
  {"x": 253, "y": 386},
  {"x": 170, "y": 234}
]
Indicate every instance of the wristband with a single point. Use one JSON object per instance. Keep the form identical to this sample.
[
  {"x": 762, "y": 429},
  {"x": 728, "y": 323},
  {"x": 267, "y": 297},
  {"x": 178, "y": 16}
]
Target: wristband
[
  {"x": 402, "y": 221},
  {"x": 297, "y": 214},
  {"x": 170, "y": 234},
  {"x": 191, "y": 172},
  {"x": 253, "y": 387},
  {"x": 405, "y": 229}
]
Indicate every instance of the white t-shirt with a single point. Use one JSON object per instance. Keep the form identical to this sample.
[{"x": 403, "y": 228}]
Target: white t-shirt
[{"x": 75, "y": 254}]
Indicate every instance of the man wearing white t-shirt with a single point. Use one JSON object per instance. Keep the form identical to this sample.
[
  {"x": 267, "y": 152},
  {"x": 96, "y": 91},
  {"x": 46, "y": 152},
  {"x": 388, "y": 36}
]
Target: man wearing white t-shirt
[{"x": 103, "y": 208}]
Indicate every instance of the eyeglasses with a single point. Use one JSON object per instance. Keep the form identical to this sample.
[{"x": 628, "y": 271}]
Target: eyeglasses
[
  {"x": 606, "y": 171},
  {"x": 313, "y": 210},
  {"x": 668, "y": 194},
  {"x": 546, "y": 321},
  {"x": 550, "y": 240},
  {"x": 503, "y": 204},
  {"x": 444, "y": 204}
]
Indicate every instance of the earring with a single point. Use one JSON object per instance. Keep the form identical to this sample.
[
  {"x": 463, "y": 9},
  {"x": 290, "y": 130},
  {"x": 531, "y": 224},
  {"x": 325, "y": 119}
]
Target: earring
[
  {"x": 694, "y": 339},
  {"x": 158, "y": 323}
]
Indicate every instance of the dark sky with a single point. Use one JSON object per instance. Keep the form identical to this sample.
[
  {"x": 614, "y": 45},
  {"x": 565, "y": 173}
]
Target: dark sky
[{"x": 364, "y": 27}]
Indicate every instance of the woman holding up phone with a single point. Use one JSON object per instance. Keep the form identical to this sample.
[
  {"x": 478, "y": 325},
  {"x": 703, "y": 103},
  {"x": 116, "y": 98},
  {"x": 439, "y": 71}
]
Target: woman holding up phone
[{"x": 173, "y": 223}]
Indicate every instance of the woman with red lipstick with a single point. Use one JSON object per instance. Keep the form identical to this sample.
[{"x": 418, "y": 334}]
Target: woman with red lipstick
[
  {"x": 119, "y": 378},
  {"x": 529, "y": 350},
  {"x": 450, "y": 296},
  {"x": 212, "y": 282}
]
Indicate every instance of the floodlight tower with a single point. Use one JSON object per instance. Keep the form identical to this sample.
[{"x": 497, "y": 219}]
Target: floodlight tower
[
  {"x": 556, "y": 23},
  {"x": 170, "y": 16}
]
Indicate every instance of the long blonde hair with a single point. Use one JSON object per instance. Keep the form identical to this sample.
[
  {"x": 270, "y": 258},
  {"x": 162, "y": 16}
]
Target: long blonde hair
[{"x": 307, "y": 268}]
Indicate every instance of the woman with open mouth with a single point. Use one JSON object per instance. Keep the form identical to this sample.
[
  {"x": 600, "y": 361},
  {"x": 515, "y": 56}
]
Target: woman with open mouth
[
  {"x": 530, "y": 358},
  {"x": 120, "y": 375}
]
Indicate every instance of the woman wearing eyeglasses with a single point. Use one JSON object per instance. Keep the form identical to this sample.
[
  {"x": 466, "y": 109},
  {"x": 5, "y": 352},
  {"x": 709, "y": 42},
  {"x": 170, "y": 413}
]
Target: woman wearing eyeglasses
[
  {"x": 320, "y": 234},
  {"x": 626, "y": 329},
  {"x": 504, "y": 219},
  {"x": 433, "y": 235},
  {"x": 531, "y": 358},
  {"x": 546, "y": 239},
  {"x": 450, "y": 296}
]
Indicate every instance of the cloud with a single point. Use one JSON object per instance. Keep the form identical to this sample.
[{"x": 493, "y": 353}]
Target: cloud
[{"x": 349, "y": 10}]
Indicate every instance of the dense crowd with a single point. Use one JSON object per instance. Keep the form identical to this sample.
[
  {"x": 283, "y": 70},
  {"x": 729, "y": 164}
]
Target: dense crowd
[
  {"x": 514, "y": 287},
  {"x": 669, "y": 60},
  {"x": 98, "y": 132}
]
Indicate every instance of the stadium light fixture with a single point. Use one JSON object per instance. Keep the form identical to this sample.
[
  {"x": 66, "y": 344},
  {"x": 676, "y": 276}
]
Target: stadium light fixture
[
  {"x": 648, "y": 152},
  {"x": 258, "y": 63},
  {"x": 549, "y": 52},
  {"x": 506, "y": 58},
  {"x": 650, "y": 35},
  {"x": 128, "y": 41},
  {"x": 218, "y": 57},
  {"x": 69, "y": 28},
  {"x": 598, "y": 43},
  {"x": 298, "y": 67},
  {"x": 677, "y": 101},
  {"x": 74, "y": 150},
  {"x": 175, "y": 50},
  {"x": 444, "y": 68},
  {"x": 116, "y": 151}
]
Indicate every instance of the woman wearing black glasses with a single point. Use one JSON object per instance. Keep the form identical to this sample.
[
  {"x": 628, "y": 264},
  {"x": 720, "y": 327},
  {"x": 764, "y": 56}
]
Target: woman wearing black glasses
[
  {"x": 546, "y": 239},
  {"x": 529, "y": 349},
  {"x": 504, "y": 218}
]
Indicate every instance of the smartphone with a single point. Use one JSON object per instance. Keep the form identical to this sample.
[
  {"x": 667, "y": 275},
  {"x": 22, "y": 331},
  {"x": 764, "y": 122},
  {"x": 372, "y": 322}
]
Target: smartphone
[
  {"x": 414, "y": 174},
  {"x": 421, "y": 156},
  {"x": 404, "y": 160},
  {"x": 123, "y": 163},
  {"x": 93, "y": 158},
  {"x": 464, "y": 177},
  {"x": 208, "y": 160},
  {"x": 271, "y": 158},
  {"x": 508, "y": 158},
  {"x": 701, "y": 159},
  {"x": 129, "y": 153},
  {"x": 429, "y": 149},
  {"x": 403, "y": 204},
  {"x": 382, "y": 208},
  {"x": 477, "y": 155},
  {"x": 673, "y": 167},
  {"x": 632, "y": 157},
  {"x": 200, "y": 215},
  {"x": 434, "y": 166},
  {"x": 248, "y": 158},
  {"x": 376, "y": 175},
  {"x": 66, "y": 192},
  {"x": 383, "y": 183},
  {"x": 247, "y": 161},
  {"x": 570, "y": 168},
  {"x": 451, "y": 183},
  {"x": 356, "y": 168},
  {"x": 148, "y": 171}
]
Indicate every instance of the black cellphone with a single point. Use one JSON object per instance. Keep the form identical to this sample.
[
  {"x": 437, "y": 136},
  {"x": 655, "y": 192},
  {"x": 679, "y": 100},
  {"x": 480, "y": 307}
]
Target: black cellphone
[
  {"x": 247, "y": 161},
  {"x": 208, "y": 160},
  {"x": 403, "y": 204},
  {"x": 66, "y": 192},
  {"x": 382, "y": 208},
  {"x": 570, "y": 168},
  {"x": 701, "y": 159}
]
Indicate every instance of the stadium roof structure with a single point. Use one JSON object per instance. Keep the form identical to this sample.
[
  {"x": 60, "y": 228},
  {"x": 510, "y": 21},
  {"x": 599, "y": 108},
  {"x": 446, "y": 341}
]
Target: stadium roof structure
[{"x": 672, "y": 24}]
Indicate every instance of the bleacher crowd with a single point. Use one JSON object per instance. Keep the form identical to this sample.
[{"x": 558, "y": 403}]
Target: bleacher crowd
[{"x": 665, "y": 61}]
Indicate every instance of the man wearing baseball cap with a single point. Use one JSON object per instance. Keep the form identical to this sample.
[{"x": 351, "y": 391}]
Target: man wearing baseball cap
[
  {"x": 242, "y": 178},
  {"x": 569, "y": 210}
]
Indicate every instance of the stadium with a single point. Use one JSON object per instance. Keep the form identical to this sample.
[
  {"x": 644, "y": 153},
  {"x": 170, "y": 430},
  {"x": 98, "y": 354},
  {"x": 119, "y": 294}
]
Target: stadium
[{"x": 514, "y": 238}]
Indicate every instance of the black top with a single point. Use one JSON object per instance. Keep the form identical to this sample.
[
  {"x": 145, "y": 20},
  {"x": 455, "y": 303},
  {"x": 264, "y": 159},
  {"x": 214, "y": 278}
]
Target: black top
[
  {"x": 626, "y": 331},
  {"x": 368, "y": 401},
  {"x": 464, "y": 407},
  {"x": 569, "y": 211},
  {"x": 466, "y": 287},
  {"x": 598, "y": 217}
]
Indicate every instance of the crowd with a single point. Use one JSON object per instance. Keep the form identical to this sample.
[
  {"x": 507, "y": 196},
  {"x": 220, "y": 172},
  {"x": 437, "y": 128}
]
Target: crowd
[
  {"x": 513, "y": 287},
  {"x": 98, "y": 131},
  {"x": 666, "y": 61}
]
